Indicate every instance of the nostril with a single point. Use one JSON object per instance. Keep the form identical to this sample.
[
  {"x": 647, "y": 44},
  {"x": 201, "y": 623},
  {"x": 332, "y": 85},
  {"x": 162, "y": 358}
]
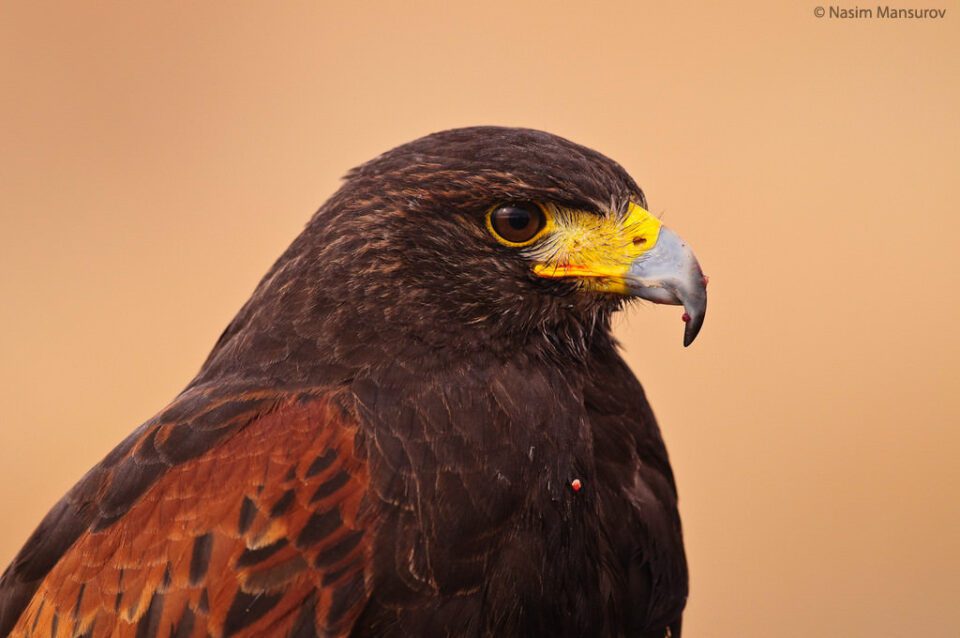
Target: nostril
[{"x": 639, "y": 240}]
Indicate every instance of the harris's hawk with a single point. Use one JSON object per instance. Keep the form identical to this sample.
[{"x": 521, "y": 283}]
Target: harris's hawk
[{"x": 418, "y": 425}]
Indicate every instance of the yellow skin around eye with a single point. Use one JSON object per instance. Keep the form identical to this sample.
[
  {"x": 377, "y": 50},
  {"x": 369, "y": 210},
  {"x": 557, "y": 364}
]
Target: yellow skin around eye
[{"x": 596, "y": 249}]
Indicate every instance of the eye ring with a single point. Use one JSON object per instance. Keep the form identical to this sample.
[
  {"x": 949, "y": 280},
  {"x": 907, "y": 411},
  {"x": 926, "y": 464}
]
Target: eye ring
[{"x": 517, "y": 224}]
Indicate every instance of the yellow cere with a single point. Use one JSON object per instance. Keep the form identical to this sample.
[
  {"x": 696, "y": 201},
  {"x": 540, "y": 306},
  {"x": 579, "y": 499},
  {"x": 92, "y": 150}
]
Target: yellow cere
[{"x": 597, "y": 249}]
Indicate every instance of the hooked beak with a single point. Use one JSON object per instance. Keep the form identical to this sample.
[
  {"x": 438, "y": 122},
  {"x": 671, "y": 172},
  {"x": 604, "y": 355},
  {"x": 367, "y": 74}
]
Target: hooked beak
[
  {"x": 638, "y": 257},
  {"x": 669, "y": 273}
]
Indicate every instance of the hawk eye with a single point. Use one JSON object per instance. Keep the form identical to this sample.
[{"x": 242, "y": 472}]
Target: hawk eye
[{"x": 517, "y": 224}]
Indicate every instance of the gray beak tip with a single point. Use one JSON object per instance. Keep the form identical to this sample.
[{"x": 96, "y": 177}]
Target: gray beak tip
[
  {"x": 695, "y": 312},
  {"x": 692, "y": 330}
]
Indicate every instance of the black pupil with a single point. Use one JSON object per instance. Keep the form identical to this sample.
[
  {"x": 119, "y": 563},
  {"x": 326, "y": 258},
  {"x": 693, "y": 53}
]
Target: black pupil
[
  {"x": 518, "y": 223},
  {"x": 518, "y": 218}
]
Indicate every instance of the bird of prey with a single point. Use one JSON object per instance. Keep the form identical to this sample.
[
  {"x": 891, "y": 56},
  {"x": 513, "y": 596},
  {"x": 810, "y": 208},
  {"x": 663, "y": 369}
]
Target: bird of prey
[{"x": 418, "y": 425}]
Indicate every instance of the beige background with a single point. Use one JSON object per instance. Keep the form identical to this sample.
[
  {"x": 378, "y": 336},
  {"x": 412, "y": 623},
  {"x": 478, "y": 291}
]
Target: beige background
[{"x": 155, "y": 161}]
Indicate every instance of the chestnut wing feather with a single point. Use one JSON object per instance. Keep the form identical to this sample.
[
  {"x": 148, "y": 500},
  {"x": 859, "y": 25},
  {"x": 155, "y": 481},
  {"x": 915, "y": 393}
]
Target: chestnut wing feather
[{"x": 229, "y": 514}]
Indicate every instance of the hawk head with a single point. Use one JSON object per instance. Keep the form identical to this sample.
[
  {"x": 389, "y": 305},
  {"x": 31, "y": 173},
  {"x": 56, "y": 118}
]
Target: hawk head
[{"x": 482, "y": 238}]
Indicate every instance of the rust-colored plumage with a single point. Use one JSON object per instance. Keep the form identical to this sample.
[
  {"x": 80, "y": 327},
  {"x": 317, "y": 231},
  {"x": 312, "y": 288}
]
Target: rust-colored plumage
[
  {"x": 263, "y": 525},
  {"x": 382, "y": 442}
]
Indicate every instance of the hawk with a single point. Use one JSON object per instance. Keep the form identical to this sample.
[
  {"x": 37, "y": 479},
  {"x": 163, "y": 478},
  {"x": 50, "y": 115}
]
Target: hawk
[{"x": 418, "y": 425}]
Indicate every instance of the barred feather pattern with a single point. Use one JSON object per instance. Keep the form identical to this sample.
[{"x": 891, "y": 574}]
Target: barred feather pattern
[{"x": 261, "y": 535}]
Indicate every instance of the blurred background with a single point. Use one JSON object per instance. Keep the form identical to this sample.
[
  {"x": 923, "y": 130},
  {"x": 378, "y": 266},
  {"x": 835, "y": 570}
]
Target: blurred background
[{"x": 155, "y": 159}]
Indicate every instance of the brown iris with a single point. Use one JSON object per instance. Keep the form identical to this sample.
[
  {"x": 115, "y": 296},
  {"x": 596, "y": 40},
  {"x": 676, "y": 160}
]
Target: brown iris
[{"x": 517, "y": 224}]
